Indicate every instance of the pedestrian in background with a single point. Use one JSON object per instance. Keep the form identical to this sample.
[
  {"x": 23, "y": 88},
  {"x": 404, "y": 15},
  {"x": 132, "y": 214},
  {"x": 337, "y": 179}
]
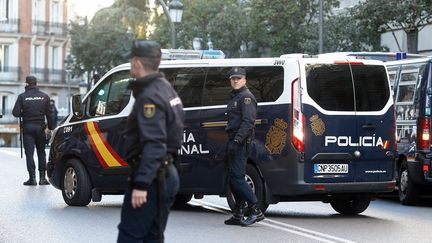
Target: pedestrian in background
[
  {"x": 34, "y": 107},
  {"x": 153, "y": 136},
  {"x": 54, "y": 112},
  {"x": 241, "y": 112}
]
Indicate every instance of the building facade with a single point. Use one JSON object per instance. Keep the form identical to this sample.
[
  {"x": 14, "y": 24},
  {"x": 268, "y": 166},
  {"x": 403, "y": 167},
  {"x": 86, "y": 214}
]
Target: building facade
[{"x": 33, "y": 41}]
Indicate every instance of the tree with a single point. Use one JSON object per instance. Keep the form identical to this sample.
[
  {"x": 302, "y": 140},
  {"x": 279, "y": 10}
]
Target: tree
[
  {"x": 343, "y": 33},
  {"x": 410, "y": 16},
  {"x": 103, "y": 43}
]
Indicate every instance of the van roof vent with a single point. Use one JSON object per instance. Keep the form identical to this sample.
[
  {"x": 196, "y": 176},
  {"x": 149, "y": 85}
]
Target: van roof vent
[{"x": 176, "y": 54}]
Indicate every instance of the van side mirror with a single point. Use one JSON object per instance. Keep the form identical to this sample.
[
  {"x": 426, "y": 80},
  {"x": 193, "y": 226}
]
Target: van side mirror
[{"x": 77, "y": 107}]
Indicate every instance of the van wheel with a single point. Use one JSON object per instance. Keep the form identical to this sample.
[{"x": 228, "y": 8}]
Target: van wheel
[
  {"x": 76, "y": 188},
  {"x": 254, "y": 180},
  {"x": 350, "y": 206},
  {"x": 182, "y": 199},
  {"x": 408, "y": 191}
]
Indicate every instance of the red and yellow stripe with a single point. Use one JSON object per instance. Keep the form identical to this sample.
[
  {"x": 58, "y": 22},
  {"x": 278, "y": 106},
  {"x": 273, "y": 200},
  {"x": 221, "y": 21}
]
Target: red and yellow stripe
[{"x": 105, "y": 153}]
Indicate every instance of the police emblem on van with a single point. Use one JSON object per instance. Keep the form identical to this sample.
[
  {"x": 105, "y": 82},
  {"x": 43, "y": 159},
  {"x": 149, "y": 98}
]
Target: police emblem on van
[
  {"x": 149, "y": 110},
  {"x": 317, "y": 125},
  {"x": 276, "y": 137}
]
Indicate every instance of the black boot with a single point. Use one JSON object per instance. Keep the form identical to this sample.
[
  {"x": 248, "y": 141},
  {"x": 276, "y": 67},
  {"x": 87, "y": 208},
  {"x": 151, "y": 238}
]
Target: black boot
[
  {"x": 255, "y": 216},
  {"x": 42, "y": 180},
  {"x": 31, "y": 181},
  {"x": 237, "y": 217}
]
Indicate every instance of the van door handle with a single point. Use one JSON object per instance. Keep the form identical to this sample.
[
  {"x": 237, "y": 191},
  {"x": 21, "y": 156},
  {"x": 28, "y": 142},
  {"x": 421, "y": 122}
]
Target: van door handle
[{"x": 369, "y": 126}]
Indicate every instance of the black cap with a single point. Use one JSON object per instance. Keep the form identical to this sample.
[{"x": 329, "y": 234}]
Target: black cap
[
  {"x": 31, "y": 80},
  {"x": 145, "y": 48},
  {"x": 237, "y": 72}
]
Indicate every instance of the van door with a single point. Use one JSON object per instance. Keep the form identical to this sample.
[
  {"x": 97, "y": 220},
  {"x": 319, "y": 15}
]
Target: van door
[
  {"x": 375, "y": 123},
  {"x": 188, "y": 83},
  {"x": 104, "y": 124},
  {"x": 349, "y": 124},
  {"x": 330, "y": 125}
]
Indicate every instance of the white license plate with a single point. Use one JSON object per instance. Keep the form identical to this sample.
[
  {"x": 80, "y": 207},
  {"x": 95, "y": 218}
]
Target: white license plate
[{"x": 331, "y": 168}]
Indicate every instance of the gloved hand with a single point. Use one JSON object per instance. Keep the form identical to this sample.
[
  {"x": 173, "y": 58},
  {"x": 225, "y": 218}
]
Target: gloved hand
[{"x": 233, "y": 146}]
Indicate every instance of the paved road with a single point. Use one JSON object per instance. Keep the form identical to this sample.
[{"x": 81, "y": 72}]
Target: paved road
[{"x": 38, "y": 214}]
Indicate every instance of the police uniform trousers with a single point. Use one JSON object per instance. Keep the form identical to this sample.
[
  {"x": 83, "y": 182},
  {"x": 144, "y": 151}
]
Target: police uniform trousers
[
  {"x": 34, "y": 136},
  {"x": 143, "y": 224},
  {"x": 236, "y": 171}
]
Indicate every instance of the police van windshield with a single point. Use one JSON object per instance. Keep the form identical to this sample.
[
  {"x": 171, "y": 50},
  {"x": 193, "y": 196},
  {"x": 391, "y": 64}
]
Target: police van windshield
[{"x": 331, "y": 86}]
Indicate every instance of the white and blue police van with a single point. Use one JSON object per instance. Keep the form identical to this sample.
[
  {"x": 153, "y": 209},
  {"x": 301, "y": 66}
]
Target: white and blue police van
[
  {"x": 412, "y": 84},
  {"x": 325, "y": 131}
]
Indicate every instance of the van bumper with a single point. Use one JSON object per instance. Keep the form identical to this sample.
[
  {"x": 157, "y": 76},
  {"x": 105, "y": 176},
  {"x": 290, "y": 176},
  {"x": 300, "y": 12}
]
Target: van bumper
[
  {"x": 416, "y": 172},
  {"x": 53, "y": 175},
  {"x": 339, "y": 188}
]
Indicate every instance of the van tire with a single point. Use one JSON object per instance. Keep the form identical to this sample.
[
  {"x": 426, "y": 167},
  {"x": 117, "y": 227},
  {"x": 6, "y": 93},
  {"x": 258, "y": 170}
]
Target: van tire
[
  {"x": 256, "y": 182},
  {"x": 350, "y": 206},
  {"x": 408, "y": 191},
  {"x": 182, "y": 199},
  {"x": 76, "y": 184}
]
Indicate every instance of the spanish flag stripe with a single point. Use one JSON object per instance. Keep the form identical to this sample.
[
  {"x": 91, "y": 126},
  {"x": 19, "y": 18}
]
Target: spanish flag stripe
[
  {"x": 101, "y": 147},
  {"x": 112, "y": 152},
  {"x": 98, "y": 155}
]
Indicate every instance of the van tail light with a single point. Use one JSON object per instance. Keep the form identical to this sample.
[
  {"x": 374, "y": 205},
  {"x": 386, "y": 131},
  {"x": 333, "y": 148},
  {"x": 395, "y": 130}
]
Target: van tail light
[
  {"x": 297, "y": 123},
  {"x": 423, "y": 128}
]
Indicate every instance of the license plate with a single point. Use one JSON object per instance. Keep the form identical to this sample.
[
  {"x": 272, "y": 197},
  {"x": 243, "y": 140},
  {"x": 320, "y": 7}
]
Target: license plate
[{"x": 331, "y": 168}]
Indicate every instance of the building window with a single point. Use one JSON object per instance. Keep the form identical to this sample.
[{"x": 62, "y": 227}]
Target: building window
[
  {"x": 56, "y": 13},
  {"x": 4, "y": 58},
  {"x": 4, "y": 9},
  {"x": 39, "y": 10},
  {"x": 55, "y": 58}
]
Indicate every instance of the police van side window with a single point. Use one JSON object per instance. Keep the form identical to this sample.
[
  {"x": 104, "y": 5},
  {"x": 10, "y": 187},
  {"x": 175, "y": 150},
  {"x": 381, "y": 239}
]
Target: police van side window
[
  {"x": 111, "y": 96},
  {"x": 330, "y": 86},
  {"x": 188, "y": 83},
  {"x": 371, "y": 87},
  {"x": 407, "y": 84},
  {"x": 266, "y": 83}
]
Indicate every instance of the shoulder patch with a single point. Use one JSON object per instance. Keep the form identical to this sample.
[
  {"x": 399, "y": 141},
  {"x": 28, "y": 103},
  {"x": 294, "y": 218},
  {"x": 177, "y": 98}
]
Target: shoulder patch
[
  {"x": 247, "y": 100},
  {"x": 149, "y": 110}
]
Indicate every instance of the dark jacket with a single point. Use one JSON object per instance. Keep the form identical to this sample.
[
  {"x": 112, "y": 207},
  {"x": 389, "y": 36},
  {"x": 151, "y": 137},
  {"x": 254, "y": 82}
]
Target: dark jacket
[
  {"x": 154, "y": 127},
  {"x": 33, "y": 106},
  {"x": 241, "y": 112}
]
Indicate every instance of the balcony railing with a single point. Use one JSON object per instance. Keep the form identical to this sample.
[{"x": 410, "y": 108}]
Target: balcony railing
[
  {"x": 9, "y": 25},
  {"x": 48, "y": 28},
  {"x": 9, "y": 74},
  {"x": 8, "y": 117},
  {"x": 54, "y": 76}
]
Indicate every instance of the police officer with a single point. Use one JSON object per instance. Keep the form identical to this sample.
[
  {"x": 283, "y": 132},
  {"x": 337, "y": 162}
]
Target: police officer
[
  {"x": 153, "y": 136},
  {"x": 34, "y": 106},
  {"x": 241, "y": 111}
]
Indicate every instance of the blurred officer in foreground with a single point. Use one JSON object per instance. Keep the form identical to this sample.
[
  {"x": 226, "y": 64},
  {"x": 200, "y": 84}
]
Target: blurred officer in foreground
[
  {"x": 153, "y": 136},
  {"x": 34, "y": 106},
  {"x": 241, "y": 112}
]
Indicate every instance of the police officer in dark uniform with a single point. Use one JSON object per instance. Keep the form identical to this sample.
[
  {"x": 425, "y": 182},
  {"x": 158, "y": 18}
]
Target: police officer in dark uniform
[
  {"x": 34, "y": 106},
  {"x": 153, "y": 136},
  {"x": 241, "y": 111}
]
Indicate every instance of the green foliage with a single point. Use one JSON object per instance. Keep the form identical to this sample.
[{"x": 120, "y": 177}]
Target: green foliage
[
  {"x": 390, "y": 15},
  {"x": 103, "y": 43}
]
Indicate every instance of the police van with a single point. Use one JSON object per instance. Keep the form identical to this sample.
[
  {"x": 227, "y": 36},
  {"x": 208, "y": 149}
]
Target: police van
[
  {"x": 325, "y": 131},
  {"x": 412, "y": 83}
]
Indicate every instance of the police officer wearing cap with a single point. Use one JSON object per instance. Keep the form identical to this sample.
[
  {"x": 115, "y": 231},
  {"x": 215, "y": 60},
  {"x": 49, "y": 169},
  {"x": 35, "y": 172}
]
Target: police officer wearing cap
[
  {"x": 34, "y": 107},
  {"x": 153, "y": 136},
  {"x": 241, "y": 112}
]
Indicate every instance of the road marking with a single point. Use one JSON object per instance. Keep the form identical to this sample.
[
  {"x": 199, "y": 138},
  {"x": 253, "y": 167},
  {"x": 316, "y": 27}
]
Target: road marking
[{"x": 311, "y": 234}]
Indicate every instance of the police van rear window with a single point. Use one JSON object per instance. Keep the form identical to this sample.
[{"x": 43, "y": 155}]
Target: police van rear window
[{"x": 332, "y": 87}]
